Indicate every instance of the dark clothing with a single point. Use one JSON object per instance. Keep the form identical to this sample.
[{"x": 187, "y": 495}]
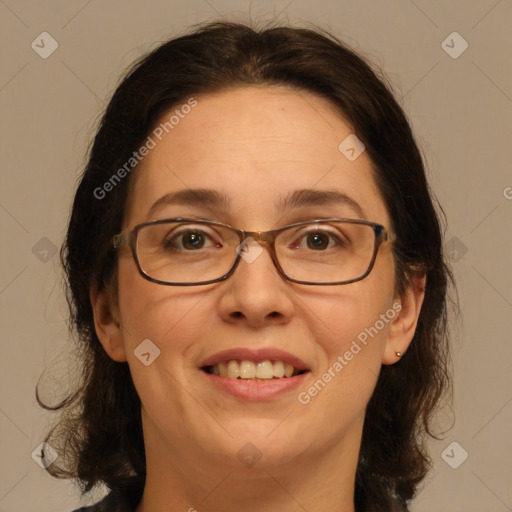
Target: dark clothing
[{"x": 112, "y": 502}]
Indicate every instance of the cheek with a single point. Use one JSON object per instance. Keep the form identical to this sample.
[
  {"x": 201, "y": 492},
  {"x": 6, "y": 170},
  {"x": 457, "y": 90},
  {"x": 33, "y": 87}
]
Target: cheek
[
  {"x": 353, "y": 328},
  {"x": 360, "y": 311},
  {"x": 157, "y": 312},
  {"x": 171, "y": 319},
  {"x": 336, "y": 399}
]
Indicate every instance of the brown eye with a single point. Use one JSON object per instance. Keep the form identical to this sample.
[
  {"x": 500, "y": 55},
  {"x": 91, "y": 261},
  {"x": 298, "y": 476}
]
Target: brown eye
[
  {"x": 188, "y": 241},
  {"x": 193, "y": 241},
  {"x": 318, "y": 241}
]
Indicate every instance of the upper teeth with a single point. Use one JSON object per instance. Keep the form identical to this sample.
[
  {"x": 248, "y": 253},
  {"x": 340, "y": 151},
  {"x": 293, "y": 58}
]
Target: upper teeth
[{"x": 249, "y": 370}]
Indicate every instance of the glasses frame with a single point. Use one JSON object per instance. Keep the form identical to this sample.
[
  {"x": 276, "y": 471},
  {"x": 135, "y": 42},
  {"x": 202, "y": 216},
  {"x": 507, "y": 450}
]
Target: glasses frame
[{"x": 266, "y": 238}]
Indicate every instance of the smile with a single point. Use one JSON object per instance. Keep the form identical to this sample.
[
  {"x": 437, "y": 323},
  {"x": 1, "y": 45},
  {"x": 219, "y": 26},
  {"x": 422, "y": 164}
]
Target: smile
[{"x": 256, "y": 371}]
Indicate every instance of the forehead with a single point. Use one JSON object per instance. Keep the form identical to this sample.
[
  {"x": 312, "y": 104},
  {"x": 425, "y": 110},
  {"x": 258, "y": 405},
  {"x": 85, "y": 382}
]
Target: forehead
[{"x": 255, "y": 145}]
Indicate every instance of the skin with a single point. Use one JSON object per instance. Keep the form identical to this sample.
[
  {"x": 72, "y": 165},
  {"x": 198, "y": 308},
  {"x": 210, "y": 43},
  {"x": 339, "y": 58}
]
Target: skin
[{"x": 254, "y": 144}]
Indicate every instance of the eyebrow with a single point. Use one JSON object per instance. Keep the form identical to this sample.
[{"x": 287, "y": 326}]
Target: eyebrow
[
  {"x": 310, "y": 197},
  {"x": 194, "y": 197},
  {"x": 296, "y": 199}
]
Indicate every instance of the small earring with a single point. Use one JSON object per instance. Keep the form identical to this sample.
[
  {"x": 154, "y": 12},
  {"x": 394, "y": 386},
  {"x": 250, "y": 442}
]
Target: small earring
[{"x": 398, "y": 354}]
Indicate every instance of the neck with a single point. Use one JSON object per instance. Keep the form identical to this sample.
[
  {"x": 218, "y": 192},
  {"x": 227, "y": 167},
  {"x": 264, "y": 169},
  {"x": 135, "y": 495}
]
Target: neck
[{"x": 184, "y": 478}]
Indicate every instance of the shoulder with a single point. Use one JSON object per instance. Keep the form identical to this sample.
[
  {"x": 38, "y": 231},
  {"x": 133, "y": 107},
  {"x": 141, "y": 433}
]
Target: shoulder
[{"x": 110, "y": 503}]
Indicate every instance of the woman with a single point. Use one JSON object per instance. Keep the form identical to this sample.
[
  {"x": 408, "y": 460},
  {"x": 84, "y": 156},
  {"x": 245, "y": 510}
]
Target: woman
[{"x": 256, "y": 278}]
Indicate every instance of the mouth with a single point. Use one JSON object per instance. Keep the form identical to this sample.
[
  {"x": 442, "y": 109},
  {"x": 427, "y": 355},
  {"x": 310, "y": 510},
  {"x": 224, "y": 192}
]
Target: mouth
[
  {"x": 256, "y": 371},
  {"x": 255, "y": 375}
]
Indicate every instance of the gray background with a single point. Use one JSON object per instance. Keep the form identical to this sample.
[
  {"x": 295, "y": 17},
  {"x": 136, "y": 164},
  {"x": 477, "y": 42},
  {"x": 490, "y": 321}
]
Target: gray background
[{"x": 461, "y": 111}]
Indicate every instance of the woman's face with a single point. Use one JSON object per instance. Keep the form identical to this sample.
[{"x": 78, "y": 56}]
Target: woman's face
[{"x": 255, "y": 146}]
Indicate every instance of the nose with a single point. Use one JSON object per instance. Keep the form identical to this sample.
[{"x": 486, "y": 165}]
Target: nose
[{"x": 256, "y": 294}]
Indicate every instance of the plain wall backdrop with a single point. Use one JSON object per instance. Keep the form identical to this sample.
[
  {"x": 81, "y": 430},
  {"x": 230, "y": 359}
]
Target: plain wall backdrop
[{"x": 459, "y": 101}]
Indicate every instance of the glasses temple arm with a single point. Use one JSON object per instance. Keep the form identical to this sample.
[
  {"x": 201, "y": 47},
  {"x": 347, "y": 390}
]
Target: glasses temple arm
[{"x": 119, "y": 240}]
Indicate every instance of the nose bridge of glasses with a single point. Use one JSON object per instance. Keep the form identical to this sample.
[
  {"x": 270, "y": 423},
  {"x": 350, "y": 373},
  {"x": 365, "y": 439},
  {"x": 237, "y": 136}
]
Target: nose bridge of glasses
[{"x": 265, "y": 238}]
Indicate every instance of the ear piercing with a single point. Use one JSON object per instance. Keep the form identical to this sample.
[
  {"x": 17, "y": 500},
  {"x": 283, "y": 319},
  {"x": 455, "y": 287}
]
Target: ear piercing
[{"x": 398, "y": 354}]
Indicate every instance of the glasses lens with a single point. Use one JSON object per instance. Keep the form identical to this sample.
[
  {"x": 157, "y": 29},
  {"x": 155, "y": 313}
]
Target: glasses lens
[
  {"x": 186, "y": 252},
  {"x": 196, "y": 252},
  {"x": 326, "y": 252}
]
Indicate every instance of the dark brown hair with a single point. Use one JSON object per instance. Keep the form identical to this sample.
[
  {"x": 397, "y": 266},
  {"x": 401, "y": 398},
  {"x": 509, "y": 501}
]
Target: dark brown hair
[{"x": 99, "y": 435}]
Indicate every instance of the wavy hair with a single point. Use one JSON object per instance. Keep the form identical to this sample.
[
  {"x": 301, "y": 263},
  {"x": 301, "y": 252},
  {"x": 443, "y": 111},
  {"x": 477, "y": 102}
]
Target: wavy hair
[{"x": 99, "y": 431}]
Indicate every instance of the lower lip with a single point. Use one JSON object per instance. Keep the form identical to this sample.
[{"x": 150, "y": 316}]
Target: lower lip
[{"x": 254, "y": 391}]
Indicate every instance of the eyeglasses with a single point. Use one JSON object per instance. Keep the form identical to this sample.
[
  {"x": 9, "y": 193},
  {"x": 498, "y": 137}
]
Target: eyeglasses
[{"x": 190, "y": 252}]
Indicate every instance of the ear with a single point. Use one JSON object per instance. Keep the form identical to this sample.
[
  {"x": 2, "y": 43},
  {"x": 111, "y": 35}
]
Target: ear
[
  {"x": 106, "y": 323},
  {"x": 403, "y": 326}
]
